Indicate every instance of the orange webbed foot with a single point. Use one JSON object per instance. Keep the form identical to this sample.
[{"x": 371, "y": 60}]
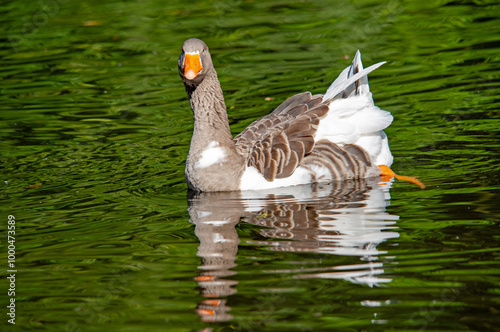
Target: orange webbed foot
[{"x": 387, "y": 174}]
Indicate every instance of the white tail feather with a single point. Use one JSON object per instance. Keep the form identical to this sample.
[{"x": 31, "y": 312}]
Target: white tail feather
[
  {"x": 349, "y": 76},
  {"x": 353, "y": 118}
]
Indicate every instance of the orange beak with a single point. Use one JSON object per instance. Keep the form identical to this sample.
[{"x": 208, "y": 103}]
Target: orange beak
[{"x": 192, "y": 66}]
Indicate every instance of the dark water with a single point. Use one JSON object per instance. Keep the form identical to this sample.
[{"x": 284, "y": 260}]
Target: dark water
[{"x": 95, "y": 128}]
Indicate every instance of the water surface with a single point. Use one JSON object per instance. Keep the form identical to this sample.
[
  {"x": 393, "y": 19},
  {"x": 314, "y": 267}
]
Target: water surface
[{"x": 95, "y": 128}]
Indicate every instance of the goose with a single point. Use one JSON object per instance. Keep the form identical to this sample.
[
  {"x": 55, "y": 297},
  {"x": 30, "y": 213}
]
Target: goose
[{"x": 307, "y": 139}]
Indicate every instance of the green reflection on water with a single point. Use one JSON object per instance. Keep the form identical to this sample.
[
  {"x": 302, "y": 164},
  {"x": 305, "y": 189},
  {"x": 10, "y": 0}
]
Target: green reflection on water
[{"x": 95, "y": 127}]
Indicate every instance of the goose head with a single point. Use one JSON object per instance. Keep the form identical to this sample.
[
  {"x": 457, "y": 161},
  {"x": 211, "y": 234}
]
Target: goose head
[{"x": 195, "y": 62}]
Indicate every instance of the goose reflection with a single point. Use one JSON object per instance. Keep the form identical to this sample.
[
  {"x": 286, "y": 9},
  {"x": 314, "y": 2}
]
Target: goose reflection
[{"x": 344, "y": 218}]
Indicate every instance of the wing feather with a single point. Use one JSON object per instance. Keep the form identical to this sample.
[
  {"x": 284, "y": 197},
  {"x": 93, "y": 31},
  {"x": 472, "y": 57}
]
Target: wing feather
[{"x": 277, "y": 143}]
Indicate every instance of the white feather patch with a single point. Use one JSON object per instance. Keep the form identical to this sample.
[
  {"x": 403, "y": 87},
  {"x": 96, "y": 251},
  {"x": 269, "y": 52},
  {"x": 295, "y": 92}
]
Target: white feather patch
[
  {"x": 253, "y": 180},
  {"x": 212, "y": 155},
  {"x": 356, "y": 120},
  {"x": 351, "y": 117}
]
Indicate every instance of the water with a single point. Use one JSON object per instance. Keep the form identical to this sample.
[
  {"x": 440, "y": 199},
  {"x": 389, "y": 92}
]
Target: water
[{"x": 95, "y": 128}]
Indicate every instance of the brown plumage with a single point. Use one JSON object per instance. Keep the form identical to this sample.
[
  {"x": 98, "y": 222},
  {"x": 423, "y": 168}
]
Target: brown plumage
[{"x": 276, "y": 144}]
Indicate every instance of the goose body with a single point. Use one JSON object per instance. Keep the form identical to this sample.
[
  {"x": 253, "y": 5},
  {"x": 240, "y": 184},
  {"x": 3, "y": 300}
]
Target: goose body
[{"x": 308, "y": 138}]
